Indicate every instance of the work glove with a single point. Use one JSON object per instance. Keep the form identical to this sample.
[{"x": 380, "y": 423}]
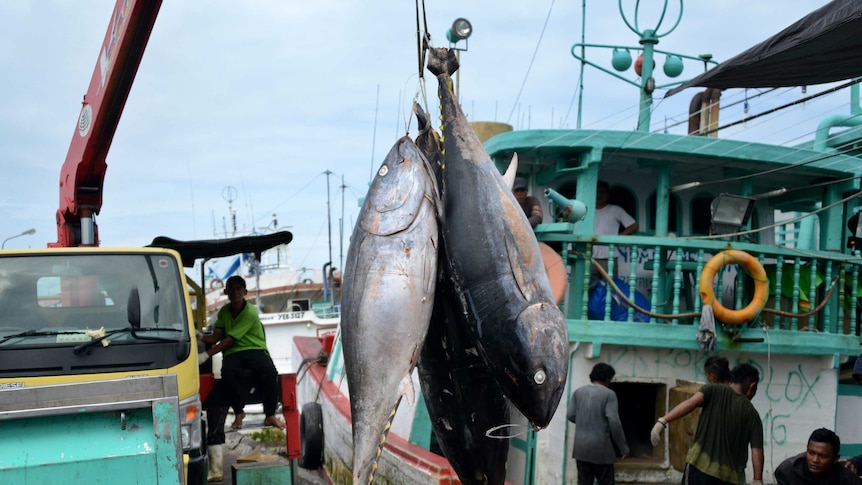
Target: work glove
[
  {"x": 203, "y": 357},
  {"x": 657, "y": 431}
]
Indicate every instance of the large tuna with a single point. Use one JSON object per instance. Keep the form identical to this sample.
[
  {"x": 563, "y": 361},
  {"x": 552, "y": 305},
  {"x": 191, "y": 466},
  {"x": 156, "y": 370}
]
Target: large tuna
[
  {"x": 496, "y": 266},
  {"x": 464, "y": 401},
  {"x": 387, "y": 296}
]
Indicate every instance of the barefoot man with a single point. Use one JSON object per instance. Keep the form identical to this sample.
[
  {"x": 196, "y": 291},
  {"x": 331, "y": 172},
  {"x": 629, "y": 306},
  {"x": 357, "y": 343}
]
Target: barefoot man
[{"x": 239, "y": 336}]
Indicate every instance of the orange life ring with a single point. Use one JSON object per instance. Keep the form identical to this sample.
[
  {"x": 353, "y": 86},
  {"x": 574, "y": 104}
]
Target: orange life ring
[{"x": 761, "y": 286}]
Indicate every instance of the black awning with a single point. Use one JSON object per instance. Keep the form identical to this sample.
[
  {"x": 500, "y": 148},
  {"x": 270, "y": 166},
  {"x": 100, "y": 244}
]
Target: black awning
[
  {"x": 824, "y": 46},
  {"x": 217, "y": 248}
]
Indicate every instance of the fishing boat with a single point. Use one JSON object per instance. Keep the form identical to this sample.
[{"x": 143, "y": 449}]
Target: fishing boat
[
  {"x": 292, "y": 302},
  {"x": 766, "y": 236}
]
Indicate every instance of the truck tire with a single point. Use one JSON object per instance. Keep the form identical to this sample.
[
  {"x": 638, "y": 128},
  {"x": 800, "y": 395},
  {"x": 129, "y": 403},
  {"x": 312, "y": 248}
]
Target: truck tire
[{"x": 311, "y": 436}]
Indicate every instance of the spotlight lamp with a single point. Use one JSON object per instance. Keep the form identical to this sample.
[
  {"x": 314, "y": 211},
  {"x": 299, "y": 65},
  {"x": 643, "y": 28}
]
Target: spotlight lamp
[
  {"x": 461, "y": 30},
  {"x": 731, "y": 212}
]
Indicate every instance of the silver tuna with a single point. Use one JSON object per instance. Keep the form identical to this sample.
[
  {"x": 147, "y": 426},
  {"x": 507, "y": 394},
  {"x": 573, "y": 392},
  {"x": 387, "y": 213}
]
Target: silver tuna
[{"x": 387, "y": 296}]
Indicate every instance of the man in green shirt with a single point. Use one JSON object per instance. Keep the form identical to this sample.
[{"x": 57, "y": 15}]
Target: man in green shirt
[
  {"x": 239, "y": 335},
  {"x": 728, "y": 424}
]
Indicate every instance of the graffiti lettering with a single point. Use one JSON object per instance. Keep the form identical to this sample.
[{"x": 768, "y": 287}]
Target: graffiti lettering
[
  {"x": 775, "y": 427},
  {"x": 792, "y": 378},
  {"x": 616, "y": 359}
]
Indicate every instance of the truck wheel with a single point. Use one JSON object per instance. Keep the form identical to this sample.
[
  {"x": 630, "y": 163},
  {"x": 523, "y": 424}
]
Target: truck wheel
[{"x": 311, "y": 436}]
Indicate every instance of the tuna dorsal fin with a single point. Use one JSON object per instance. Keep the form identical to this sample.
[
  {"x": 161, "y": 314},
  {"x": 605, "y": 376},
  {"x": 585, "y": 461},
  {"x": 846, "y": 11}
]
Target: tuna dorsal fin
[{"x": 511, "y": 172}]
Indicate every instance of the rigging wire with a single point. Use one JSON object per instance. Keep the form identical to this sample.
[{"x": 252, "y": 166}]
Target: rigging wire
[
  {"x": 274, "y": 209},
  {"x": 741, "y": 146},
  {"x": 671, "y": 141},
  {"x": 778, "y": 108},
  {"x": 423, "y": 44},
  {"x": 532, "y": 59},
  {"x": 781, "y": 223},
  {"x": 766, "y": 172},
  {"x": 679, "y": 140},
  {"x": 722, "y": 107}
]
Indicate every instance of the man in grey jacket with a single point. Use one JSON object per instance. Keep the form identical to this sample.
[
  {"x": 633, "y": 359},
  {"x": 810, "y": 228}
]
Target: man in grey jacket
[{"x": 599, "y": 436}]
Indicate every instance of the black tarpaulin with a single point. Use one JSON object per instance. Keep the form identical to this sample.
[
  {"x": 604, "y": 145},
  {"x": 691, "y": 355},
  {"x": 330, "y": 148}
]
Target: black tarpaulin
[
  {"x": 824, "y": 46},
  {"x": 217, "y": 248}
]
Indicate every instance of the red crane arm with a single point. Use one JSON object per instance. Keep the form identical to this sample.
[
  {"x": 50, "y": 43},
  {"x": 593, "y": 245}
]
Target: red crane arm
[{"x": 83, "y": 172}]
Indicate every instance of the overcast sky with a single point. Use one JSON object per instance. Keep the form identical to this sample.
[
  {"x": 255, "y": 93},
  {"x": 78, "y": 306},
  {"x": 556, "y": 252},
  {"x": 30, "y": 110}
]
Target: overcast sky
[{"x": 265, "y": 96}]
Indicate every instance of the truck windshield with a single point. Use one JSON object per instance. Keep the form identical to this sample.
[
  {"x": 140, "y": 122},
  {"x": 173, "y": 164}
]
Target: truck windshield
[{"x": 66, "y": 299}]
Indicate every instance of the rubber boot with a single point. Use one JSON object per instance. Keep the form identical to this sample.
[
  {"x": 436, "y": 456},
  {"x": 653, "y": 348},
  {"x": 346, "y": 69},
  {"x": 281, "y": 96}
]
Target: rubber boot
[{"x": 216, "y": 459}]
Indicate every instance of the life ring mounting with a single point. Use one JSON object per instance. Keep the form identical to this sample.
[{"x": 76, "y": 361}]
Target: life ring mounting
[{"x": 761, "y": 286}]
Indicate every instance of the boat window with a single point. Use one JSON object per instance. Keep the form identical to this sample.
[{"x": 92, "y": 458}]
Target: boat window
[
  {"x": 300, "y": 305},
  {"x": 700, "y": 213},
  {"x": 673, "y": 221}
]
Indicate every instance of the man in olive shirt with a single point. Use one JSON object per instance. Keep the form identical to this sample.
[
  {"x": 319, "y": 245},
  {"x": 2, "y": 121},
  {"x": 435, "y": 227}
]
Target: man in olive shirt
[
  {"x": 728, "y": 424},
  {"x": 239, "y": 336}
]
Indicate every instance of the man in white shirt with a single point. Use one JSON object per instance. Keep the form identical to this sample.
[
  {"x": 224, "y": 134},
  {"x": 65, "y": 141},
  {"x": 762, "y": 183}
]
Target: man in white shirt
[{"x": 609, "y": 219}]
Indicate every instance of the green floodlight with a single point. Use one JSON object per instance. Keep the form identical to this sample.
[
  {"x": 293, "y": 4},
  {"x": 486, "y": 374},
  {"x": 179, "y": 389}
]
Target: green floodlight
[{"x": 461, "y": 30}]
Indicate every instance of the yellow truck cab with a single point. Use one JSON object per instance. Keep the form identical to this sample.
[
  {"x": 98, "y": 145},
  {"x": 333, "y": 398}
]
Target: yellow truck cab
[{"x": 110, "y": 320}]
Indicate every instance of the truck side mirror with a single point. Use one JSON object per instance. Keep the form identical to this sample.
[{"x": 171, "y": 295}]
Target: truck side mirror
[{"x": 133, "y": 308}]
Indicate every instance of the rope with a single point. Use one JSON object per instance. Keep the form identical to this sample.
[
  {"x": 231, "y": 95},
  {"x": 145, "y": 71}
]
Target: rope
[
  {"x": 771, "y": 415},
  {"x": 778, "y": 224},
  {"x": 663, "y": 316},
  {"x": 812, "y": 312},
  {"x": 423, "y": 44},
  {"x": 532, "y": 59},
  {"x": 671, "y": 316}
]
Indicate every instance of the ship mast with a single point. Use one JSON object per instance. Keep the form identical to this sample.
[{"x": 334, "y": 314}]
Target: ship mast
[{"x": 328, "y": 274}]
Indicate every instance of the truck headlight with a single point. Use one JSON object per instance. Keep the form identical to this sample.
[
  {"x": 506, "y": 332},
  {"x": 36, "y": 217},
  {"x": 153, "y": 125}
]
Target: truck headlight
[{"x": 190, "y": 423}]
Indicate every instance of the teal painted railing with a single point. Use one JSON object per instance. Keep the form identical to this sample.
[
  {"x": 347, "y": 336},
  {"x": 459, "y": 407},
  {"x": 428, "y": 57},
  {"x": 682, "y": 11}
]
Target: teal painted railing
[{"x": 810, "y": 293}]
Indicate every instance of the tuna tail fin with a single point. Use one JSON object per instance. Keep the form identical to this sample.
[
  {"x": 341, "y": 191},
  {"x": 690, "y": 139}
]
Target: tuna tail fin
[
  {"x": 421, "y": 116},
  {"x": 442, "y": 61},
  {"x": 511, "y": 172},
  {"x": 407, "y": 390}
]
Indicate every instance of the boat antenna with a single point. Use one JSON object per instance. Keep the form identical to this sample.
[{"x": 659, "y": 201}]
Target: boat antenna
[
  {"x": 328, "y": 276},
  {"x": 341, "y": 226},
  {"x": 374, "y": 134},
  {"x": 583, "y": 62}
]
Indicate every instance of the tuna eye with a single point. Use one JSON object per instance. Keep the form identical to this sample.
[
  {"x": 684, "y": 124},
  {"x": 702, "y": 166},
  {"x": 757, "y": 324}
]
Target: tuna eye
[
  {"x": 539, "y": 377},
  {"x": 383, "y": 170}
]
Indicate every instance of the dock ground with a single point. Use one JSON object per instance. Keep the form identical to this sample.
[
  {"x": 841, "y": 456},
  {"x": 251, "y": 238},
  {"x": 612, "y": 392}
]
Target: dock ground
[{"x": 238, "y": 443}]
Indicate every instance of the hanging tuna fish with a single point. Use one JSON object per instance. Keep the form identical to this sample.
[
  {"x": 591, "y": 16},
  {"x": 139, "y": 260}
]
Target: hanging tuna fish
[
  {"x": 496, "y": 267},
  {"x": 387, "y": 296}
]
